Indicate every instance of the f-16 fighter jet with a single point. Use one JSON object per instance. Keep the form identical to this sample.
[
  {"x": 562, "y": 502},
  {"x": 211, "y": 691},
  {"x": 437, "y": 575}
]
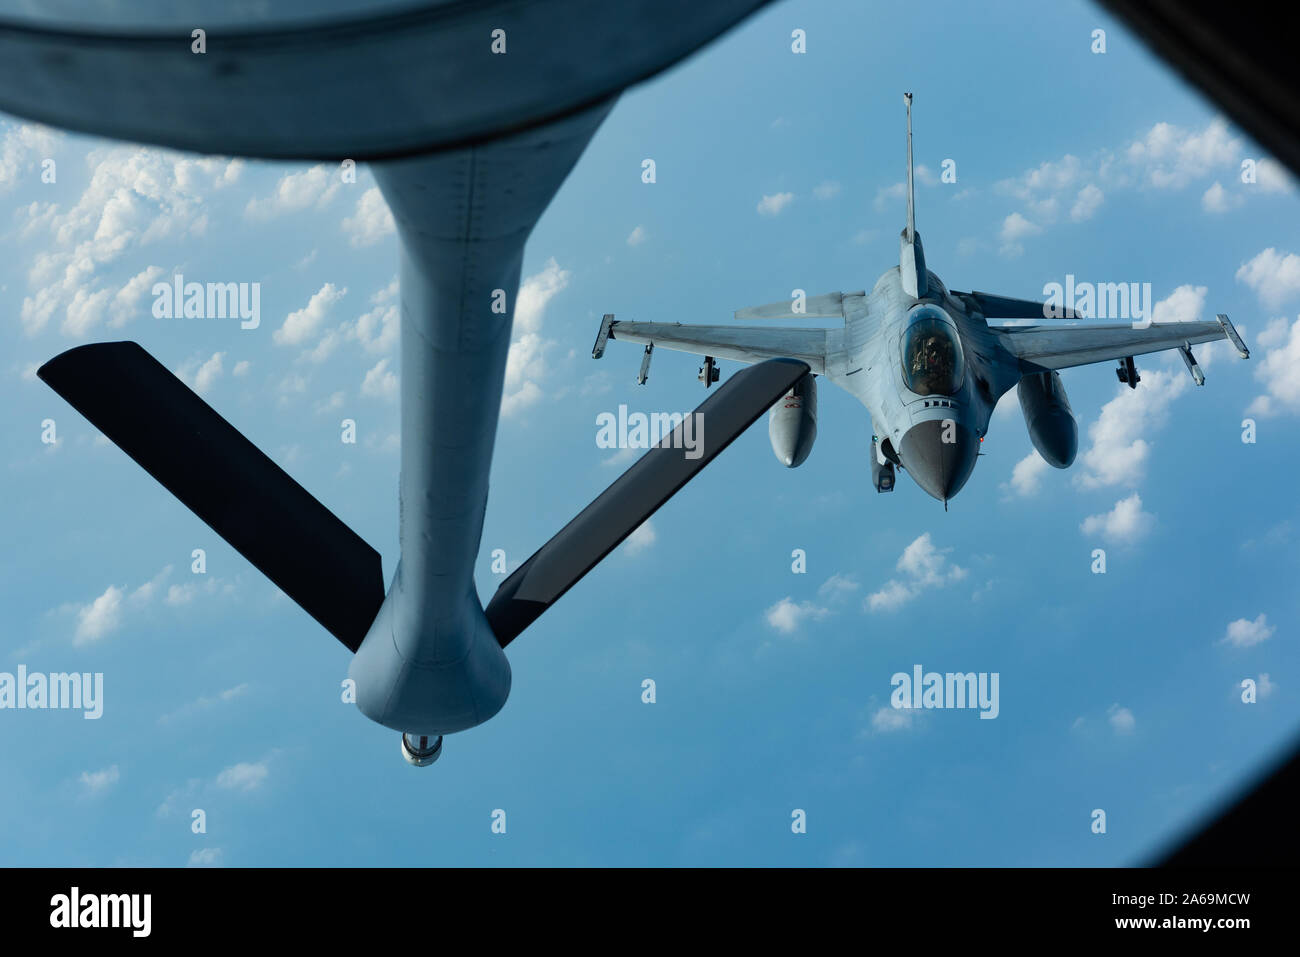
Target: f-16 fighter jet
[{"x": 929, "y": 363}]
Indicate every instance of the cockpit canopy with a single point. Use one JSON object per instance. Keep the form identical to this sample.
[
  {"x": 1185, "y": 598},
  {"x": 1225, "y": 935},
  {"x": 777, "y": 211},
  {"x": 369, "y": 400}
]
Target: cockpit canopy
[{"x": 932, "y": 358}]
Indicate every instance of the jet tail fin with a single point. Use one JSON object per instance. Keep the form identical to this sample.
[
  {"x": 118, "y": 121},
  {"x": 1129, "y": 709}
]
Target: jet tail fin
[{"x": 911, "y": 256}]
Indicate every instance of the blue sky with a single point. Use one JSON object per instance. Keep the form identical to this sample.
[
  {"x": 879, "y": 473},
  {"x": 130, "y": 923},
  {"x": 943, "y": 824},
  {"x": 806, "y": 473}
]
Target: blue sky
[{"x": 775, "y": 171}]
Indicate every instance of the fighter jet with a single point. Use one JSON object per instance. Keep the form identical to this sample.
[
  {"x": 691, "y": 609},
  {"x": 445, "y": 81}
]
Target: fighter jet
[{"x": 925, "y": 361}]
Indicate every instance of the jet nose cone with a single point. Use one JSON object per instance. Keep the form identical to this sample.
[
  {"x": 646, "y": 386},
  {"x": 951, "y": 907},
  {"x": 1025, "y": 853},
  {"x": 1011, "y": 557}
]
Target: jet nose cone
[{"x": 939, "y": 455}]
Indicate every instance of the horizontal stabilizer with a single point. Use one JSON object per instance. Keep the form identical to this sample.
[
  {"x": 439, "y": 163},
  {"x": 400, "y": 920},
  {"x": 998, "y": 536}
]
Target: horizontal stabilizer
[
  {"x": 636, "y": 495},
  {"x": 826, "y": 306},
  {"x": 1002, "y": 307},
  {"x": 223, "y": 478}
]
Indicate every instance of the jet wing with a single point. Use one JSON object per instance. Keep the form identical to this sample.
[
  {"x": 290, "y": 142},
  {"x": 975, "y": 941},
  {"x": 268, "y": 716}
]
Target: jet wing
[
  {"x": 1060, "y": 347},
  {"x": 742, "y": 343}
]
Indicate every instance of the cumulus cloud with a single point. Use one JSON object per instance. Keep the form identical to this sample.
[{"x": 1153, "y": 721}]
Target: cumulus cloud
[
  {"x": 135, "y": 198},
  {"x": 1171, "y": 157},
  {"x": 1087, "y": 203},
  {"x": 1027, "y": 476},
  {"x": 305, "y": 189},
  {"x": 379, "y": 382},
  {"x": 1121, "y": 719},
  {"x": 1216, "y": 199},
  {"x": 1124, "y": 524},
  {"x": 126, "y": 304},
  {"x": 202, "y": 374},
  {"x": 1119, "y": 448},
  {"x": 371, "y": 221},
  {"x": 1244, "y": 633},
  {"x": 1279, "y": 370},
  {"x": 302, "y": 324},
  {"x": 1264, "y": 687},
  {"x": 637, "y": 236},
  {"x": 526, "y": 362},
  {"x": 100, "y": 618},
  {"x": 1167, "y": 157},
  {"x": 923, "y": 566},
  {"x": 1015, "y": 228},
  {"x": 205, "y": 857},
  {"x": 1184, "y": 304},
  {"x": 22, "y": 148},
  {"x": 786, "y": 616},
  {"x": 774, "y": 204},
  {"x": 1272, "y": 177},
  {"x": 1273, "y": 275}
]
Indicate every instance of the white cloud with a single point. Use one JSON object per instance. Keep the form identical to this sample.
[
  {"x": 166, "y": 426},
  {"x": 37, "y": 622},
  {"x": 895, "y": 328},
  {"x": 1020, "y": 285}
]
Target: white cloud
[
  {"x": 1279, "y": 370},
  {"x": 1040, "y": 187},
  {"x": 313, "y": 187},
  {"x": 1027, "y": 476},
  {"x": 774, "y": 204},
  {"x": 1170, "y": 157},
  {"x": 183, "y": 594},
  {"x": 786, "y": 616},
  {"x": 301, "y": 324},
  {"x": 241, "y": 368},
  {"x": 1166, "y": 157},
  {"x": 1015, "y": 228},
  {"x": 126, "y": 302},
  {"x": 1119, "y": 449},
  {"x": 1265, "y": 687},
  {"x": 100, "y": 618},
  {"x": 1184, "y": 304},
  {"x": 923, "y": 566},
  {"x": 1272, "y": 177},
  {"x": 1121, "y": 719},
  {"x": 372, "y": 220},
  {"x": 827, "y": 189},
  {"x": 837, "y": 586},
  {"x": 379, "y": 383},
  {"x": 889, "y": 719},
  {"x": 243, "y": 776},
  {"x": 525, "y": 364},
  {"x": 205, "y": 857},
  {"x": 97, "y": 782},
  {"x": 1124, "y": 524},
  {"x": 136, "y": 197},
  {"x": 1087, "y": 203},
  {"x": 637, "y": 236},
  {"x": 1274, "y": 276},
  {"x": 22, "y": 148},
  {"x": 377, "y": 330},
  {"x": 1244, "y": 633},
  {"x": 201, "y": 375},
  {"x": 1216, "y": 199},
  {"x": 641, "y": 539}
]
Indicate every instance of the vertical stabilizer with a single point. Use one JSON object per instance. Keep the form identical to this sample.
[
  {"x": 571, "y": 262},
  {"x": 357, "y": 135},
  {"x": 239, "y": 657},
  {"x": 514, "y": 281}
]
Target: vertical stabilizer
[{"x": 911, "y": 257}]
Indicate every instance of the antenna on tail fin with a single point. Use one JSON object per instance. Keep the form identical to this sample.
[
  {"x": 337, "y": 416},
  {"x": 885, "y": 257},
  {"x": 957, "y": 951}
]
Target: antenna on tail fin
[
  {"x": 911, "y": 192},
  {"x": 911, "y": 257}
]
